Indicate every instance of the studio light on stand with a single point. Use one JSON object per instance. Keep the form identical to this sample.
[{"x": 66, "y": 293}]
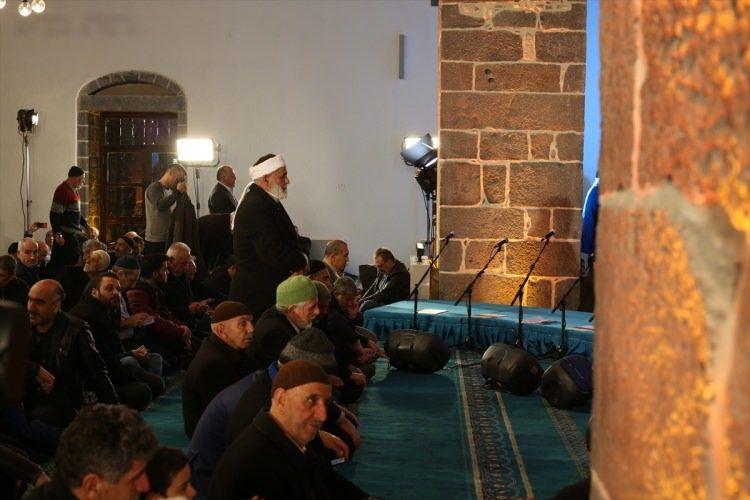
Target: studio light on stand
[
  {"x": 421, "y": 153},
  {"x": 27, "y": 119},
  {"x": 198, "y": 153}
]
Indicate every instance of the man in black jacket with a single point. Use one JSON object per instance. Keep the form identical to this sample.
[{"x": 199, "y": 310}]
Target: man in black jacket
[
  {"x": 295, "y": 309},
  {"x": 62, "y": 359},
  {"x": 271, "y": 457},
  {"x": 100, "y": 309},
  {"x": 266, "y": 244},
  {"x": 391, "y": 284},
  {"x": 11, "y": 288},
  {"x": 220, "y": 361},
  {"x": 222, "y": 200}
]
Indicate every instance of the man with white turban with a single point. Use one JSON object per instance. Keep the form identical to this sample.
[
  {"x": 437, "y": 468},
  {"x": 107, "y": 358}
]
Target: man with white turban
[{"x": 266, "y": 245}]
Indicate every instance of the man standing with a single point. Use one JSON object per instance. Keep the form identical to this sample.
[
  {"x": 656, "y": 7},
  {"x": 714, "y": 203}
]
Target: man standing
[
  {"x": 63, "y": 359},
  {"x": 295, "y": 309},
  {"x": 161, "y": 197},
  {"x": 266, "y": 245},
  {"x": 220, "y": 361},
  {"x": 222, "y": 200},
  {"x": 335, "y": 258},
  {"x": 102, "y": 455},
  {"x": 271, "y": 457},
  {"x": 67, "y": 220}
]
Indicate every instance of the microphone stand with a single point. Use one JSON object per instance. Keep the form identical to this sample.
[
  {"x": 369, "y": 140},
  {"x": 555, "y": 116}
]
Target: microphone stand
[
  {"x": 560, "y": 351},
  {"x": 415, "y": 291},
  {"x": 469, "y": 342},
  {"x": 519, "y": 295}
]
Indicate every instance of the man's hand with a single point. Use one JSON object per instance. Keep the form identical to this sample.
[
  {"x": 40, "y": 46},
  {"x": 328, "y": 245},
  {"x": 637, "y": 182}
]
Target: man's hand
[
  {"x": 334, "y": 443},
  {"x": 92, "y": 232},
  {"x": 336, "y": 381},
  {"x": 348, "y": 413},
  {"x": 45, "y": 380},
  {"x": 59, "y": 240},
  {"x": 140, "y": 353},
  {"x": 182, "y": 186},
  {"x": 357, "y": 376},
  {"x": 201, "y": 307},
  {"x": 135, "y": 320}
]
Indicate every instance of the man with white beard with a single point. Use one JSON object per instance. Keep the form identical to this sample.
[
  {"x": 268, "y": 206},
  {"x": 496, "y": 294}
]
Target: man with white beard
[{"x": 266, "y": 244}]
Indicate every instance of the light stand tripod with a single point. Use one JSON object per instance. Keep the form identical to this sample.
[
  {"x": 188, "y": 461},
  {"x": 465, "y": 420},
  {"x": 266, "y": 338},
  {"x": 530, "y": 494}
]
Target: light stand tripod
[
  {"x": 519, "y": 293},
  {"x": 415, "y": 292}
]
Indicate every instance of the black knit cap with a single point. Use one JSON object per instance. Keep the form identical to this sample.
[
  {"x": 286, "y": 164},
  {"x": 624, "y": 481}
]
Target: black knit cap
[
  {"x": 128, "y": 240},
  {"x": 127, "y": 262},
  {"x": 299, "y": 372},
  {"x": 311, "y": 344},
  {"x": 75, "y": 171}
]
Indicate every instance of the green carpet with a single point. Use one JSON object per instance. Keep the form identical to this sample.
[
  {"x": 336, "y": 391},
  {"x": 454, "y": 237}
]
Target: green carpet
[{"x": 445, "y": 436}]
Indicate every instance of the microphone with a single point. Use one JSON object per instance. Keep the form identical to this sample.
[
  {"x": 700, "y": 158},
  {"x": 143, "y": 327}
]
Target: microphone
[
  {"x": 448, "y": 237},
  {"x": 548, "y": 235},
  {"x": 500, "y": 243}
]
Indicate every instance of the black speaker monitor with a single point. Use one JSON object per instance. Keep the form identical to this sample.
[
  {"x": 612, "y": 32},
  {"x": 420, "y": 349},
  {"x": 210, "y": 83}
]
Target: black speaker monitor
[
  {"x": 512, "y": 368},
  {"x": 417, "y": 351}
]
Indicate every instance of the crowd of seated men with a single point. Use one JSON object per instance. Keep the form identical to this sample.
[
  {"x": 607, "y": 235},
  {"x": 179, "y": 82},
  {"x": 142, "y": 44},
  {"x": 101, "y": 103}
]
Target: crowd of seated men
[{"x": 107, "y": 328}]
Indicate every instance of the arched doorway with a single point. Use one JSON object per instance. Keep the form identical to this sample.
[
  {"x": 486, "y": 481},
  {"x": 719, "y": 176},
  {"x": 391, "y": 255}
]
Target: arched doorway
[{"x": 128, "y": 123}]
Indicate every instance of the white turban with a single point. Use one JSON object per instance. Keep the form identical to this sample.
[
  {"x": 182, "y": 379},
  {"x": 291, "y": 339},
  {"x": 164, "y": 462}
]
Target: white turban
[{"x": 267, "y": 167}]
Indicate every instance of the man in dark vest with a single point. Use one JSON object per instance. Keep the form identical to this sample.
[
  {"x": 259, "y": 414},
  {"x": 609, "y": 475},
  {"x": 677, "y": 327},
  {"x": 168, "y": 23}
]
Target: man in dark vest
[{"x": 266, "y": 245}]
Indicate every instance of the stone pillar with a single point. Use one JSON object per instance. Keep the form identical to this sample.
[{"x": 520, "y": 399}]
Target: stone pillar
[
  {"x": 511, "y": 132},
  {"x": 672, "y": 375}
]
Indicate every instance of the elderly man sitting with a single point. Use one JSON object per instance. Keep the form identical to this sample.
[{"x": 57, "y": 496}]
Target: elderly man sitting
[
  {"x": 220, "y": 361},
  {"x": 295, "y": 309},
  {"x": 391, "y": 284},
  {"x": 271, "y": 457}
]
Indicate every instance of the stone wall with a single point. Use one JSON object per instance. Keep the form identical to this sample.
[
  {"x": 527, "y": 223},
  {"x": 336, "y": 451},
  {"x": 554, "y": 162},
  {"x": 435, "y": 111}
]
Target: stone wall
[
  {"x": 511, "y": 131},
  {"x": 672, "y": 411}
]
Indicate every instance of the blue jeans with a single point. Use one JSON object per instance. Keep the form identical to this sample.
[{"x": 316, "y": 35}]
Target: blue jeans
[{"x": 153, "y": 363}]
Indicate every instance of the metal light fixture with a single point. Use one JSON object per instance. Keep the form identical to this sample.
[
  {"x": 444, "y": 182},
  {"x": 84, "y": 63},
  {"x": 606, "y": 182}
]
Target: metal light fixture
[
  {"x": 27, "y": 120},
  {"x": 28, "y": 7},
  {"x": 421, "y": 153},
  {"x": 197, "y": 151}
]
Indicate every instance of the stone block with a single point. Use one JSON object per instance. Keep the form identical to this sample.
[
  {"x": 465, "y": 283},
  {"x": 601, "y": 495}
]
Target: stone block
[
  {"x": 459, "y": 183},
  {"x": 456, "y": 76},
  {"x": 83, "y": 132},
  {"x": 503, "y": 146},
  {"x": 480, "y": 45},
  {"x": 560, "y": 258},
  {"x": 494, "y": 181},
  {"x": 82, "y": 148},
  {"x": 539, "y": 219},
  {"x": 491, "y": 288},
  {"x": 467, "y": 110},
  {"x": 538, "y": 293},
  {"x": 561, "y": 287},
  {"x": 650, "y": 317},
  {"x": 569, "y": 147},
  {"x": 452, "y": 257},
  {"x": 452, "y": 17},
  {"x": 567, "y": 223},
  {"x": 481, "y": 222},
  {"x": 617, "y": 40},
  {"x": 457, "y": 145},
  {"x": 545, "y": 185},
  {"x": 540, "y": 146},
  {"x": 573, "y": 19},
  {"x": 574, "y": 78},
  {"x": 561, "y": 47},
  {"x": 522, "y": 77},
  {"x": 515, "y": 18},
  {"x": 477, "y": 254}
]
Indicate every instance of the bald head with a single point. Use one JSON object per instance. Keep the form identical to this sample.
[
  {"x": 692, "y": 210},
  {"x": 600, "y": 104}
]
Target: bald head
[
  {"x": 45, "y": 299},
  {"x": 226, "y": 175}
]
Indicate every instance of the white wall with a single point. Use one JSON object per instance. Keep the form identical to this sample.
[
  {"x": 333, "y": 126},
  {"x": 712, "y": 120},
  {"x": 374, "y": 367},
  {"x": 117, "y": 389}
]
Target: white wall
[{"x": 314, "y": 80}]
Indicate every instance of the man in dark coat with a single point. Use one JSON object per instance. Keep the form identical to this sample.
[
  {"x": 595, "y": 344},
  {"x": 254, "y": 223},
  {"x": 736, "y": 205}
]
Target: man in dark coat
[
  {"x": 295, "y": 309},
  {"x": 100, "y": 309},
  {"x": 266, "y": 245},
  {"x": 220, "y": 361},
  {"x": 271, "y": 457},
  {"x": 62, "y": 359},
  {"x": 222, "y": 200},
  {"x": 391, "y": 284},
  {"x": 11, "y": 288}
]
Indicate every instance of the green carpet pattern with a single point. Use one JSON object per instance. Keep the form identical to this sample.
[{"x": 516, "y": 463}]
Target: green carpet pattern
[{"x": 445, "y": 435}]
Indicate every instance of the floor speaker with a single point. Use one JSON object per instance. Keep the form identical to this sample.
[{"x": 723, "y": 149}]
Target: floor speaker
[
  {"x": 513, "y": 369},
  {"x": 568, "y": 382},
  {"x": 417, "y": 351}
]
